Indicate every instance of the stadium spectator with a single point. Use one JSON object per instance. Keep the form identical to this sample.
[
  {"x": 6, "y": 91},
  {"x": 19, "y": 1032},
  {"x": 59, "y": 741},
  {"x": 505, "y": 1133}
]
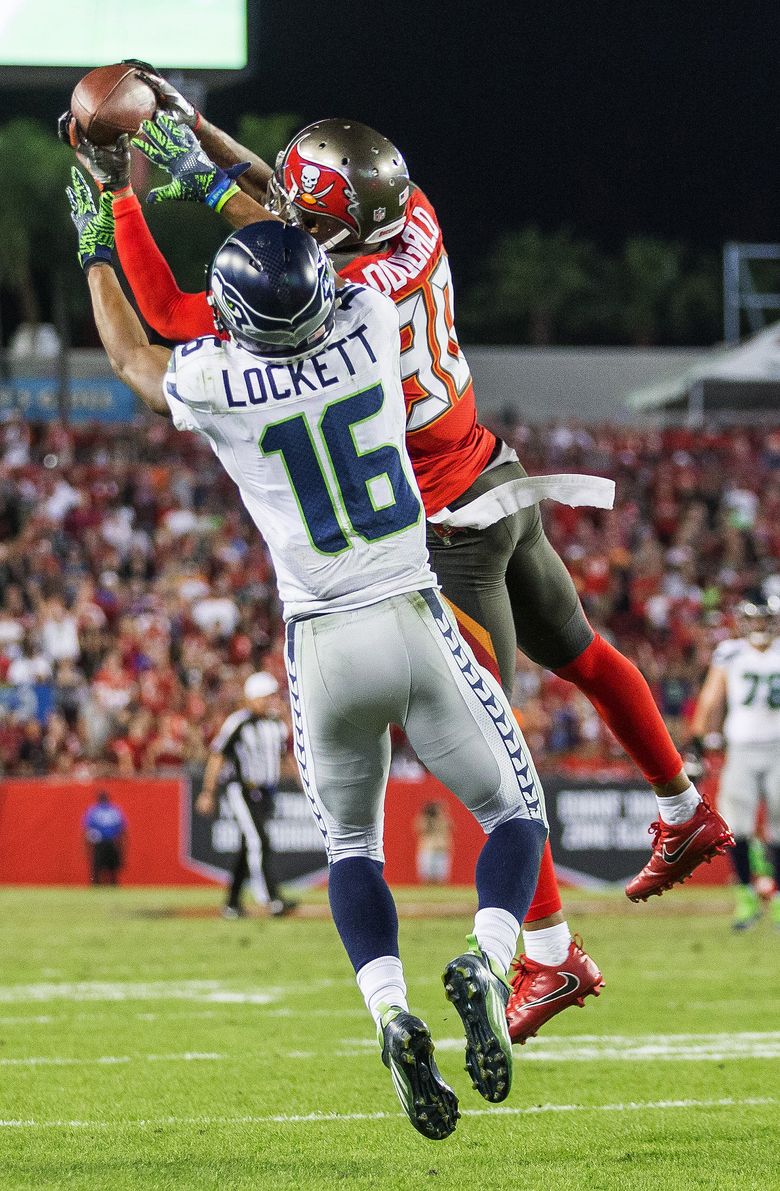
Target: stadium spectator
[
  {"x": 131, "y": 582},
  {"x": 433, "y": 828}
]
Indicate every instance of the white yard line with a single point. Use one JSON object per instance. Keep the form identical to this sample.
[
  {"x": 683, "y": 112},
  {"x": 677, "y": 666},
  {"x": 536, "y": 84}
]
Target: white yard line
[
  {"x": 209, "y": 991},
  {"x": 318, "y": 1118},
  {"x": 595, "y": 1048},
  {"x": 108, "y": 1060}
]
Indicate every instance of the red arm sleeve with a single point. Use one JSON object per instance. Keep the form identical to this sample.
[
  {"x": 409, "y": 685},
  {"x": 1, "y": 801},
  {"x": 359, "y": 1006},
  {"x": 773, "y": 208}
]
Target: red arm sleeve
[{"x": 173, "y": 314}]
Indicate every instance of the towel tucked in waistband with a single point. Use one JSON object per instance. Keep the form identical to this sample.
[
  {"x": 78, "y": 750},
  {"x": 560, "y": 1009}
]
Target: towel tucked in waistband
[{"x": 568, "y": 489}]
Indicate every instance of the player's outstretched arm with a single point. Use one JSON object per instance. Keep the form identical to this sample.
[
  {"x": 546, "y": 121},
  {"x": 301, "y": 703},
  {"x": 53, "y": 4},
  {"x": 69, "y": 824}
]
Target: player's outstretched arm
[
  {"x": 221, "y": 148},
  {"x": 172, "y": 312},
  {"x": 227, "y": 152},
  {"x": 133, "y": 359}
]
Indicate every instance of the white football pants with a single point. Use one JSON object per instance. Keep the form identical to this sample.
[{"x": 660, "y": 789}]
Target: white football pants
[
  {"x": 400, "y": 661},
  {"x": 751, "y": 771}
]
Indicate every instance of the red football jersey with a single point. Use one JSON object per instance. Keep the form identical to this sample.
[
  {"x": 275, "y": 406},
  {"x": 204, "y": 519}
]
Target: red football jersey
[{"x": 447, "y": 445}]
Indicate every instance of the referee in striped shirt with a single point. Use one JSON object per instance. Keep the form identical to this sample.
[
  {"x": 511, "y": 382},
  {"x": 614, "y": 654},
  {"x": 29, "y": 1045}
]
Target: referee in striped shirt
[{"x": 251, "y": 742}]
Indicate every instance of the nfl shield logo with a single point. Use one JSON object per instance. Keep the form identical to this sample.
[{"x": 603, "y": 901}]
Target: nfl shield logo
[{"x": 379, "y": 214}]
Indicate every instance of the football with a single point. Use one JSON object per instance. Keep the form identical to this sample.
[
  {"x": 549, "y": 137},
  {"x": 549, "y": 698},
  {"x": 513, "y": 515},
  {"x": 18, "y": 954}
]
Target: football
[{"x": 111, "y": 100}]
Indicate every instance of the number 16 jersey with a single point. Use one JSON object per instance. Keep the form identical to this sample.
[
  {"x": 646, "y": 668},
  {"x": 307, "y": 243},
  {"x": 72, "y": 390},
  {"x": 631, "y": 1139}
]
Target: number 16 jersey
[{"x": 317, "y": 450}]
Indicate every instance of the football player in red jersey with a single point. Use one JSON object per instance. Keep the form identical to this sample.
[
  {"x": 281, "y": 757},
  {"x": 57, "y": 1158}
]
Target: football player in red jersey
[{"x": 349, "y": 186}]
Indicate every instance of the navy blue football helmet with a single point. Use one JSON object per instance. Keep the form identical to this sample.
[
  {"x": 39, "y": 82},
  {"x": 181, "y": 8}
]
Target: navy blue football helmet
[{"x": 272, "y": 290}]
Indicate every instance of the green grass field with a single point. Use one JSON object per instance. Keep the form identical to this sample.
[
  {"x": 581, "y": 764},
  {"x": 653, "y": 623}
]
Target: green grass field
[{"x": 143, "y": 1046}]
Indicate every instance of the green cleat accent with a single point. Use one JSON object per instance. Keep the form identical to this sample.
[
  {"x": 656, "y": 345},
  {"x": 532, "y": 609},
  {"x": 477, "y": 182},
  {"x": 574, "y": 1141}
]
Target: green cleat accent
[
  {"x": 774, "y": 911},
  {"x": 748, "y": 910},
  {"x": 407, "y": 1050},
  {"x": 480, "y": 992}
]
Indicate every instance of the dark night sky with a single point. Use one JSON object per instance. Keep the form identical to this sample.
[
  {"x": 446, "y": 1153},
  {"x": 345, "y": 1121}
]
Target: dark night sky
[{"x": 612, "y": 118}]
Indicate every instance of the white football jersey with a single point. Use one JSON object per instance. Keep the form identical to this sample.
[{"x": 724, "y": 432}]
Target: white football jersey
[
  {"x": 753, "y": 691},
  {"x": 317, "y": 449}
]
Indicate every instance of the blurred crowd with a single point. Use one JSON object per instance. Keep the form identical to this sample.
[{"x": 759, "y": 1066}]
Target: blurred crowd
[{"x": 136, "y": 597}]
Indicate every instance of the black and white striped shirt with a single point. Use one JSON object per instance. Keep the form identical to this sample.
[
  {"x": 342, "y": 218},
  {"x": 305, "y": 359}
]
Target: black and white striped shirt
[{"x": 253, "y": 746}]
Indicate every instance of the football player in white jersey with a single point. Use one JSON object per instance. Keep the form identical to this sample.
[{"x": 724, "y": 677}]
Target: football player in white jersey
[
  {"x": 302, "y": 403},
  {"x": 741, "y": 693}
]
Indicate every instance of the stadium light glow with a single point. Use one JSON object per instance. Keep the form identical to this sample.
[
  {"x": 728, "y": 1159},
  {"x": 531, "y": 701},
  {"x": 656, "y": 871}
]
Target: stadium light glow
[{"x": 180, "y": 34}]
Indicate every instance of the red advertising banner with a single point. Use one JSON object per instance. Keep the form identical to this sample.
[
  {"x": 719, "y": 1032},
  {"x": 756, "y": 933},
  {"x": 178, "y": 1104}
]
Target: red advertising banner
[
  {"x": 42, "y": 839},
  {"x": 598, "y": 833}
]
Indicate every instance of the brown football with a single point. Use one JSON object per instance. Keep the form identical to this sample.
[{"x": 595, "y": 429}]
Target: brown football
[{"x": 111, "y": 100}]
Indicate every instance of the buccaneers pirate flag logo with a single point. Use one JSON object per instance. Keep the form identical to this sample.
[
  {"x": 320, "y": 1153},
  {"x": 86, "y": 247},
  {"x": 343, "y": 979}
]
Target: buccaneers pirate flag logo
[{"x": 319, "y": 189}]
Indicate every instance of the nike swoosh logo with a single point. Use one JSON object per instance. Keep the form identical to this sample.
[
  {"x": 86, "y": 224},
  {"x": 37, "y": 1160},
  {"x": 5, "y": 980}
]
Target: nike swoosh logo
[
  {"x": 673, "y": 857},
  {"x": 570, "y": 984}
]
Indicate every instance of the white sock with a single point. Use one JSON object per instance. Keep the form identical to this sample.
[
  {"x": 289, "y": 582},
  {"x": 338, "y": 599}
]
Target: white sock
[
  {"x": 497, "y": 933},
  {"x": 680, "y": 807},
  {"x": 381, "y": 982},
  {"x": 548, "y": 946}
]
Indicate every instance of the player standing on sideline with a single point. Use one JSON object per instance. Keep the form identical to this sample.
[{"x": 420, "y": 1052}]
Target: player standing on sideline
[
  {"x": 252, "y": 742},
  {"x": 303, "y": 406},
  {"x": 742, "y": 693},
  {"x": 506, "y": 584}
]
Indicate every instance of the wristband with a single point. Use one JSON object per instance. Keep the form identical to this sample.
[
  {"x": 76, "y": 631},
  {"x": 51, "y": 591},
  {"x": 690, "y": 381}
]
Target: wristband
[
  {"x": 221, "y": 192},
  {"x": 101, "y": 256}
]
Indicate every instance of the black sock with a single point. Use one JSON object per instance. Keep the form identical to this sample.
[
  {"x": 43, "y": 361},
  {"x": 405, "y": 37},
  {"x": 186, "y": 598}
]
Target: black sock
[{"x": 740, "y": 859}]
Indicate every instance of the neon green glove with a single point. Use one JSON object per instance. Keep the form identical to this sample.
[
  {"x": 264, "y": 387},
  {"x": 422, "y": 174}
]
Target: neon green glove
[
  {"x": 196, "y": 179},
  {"x": 94, "y": 225}
]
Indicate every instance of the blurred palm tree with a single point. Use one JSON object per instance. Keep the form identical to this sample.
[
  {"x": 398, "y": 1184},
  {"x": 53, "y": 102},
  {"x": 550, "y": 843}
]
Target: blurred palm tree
[
  {"x": 540, "y": 288},
  {"x": 36, "y": 235},
  {"x": 534, "y": 288}
]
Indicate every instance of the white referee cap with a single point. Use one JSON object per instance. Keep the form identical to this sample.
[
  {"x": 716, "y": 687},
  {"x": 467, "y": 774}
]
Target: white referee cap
[{"x": 258, "y": 685}]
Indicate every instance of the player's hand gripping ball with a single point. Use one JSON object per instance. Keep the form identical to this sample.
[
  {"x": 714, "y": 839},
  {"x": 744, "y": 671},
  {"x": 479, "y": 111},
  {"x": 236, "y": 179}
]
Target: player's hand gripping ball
[
  {"x": 168, "y": 98},
  {"x": 109, "y": 165}
]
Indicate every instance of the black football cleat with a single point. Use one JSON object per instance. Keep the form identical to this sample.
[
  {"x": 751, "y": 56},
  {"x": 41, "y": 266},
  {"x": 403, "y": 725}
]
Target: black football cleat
[
  {"x": 407, "y": 1050},
  {"x": 480, "y": 995}
]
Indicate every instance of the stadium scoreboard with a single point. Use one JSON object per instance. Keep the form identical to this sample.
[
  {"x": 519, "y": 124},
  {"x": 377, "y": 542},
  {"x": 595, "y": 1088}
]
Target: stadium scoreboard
[{"x": 194, "y": 35}]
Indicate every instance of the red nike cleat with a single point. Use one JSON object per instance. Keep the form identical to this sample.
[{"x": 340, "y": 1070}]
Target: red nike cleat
[
  {"x": 678, "y": 849},
  {"x": 539, "y": 991}
]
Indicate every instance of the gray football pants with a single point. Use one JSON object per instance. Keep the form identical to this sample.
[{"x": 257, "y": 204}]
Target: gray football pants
[{"x": 401, "y": 661}]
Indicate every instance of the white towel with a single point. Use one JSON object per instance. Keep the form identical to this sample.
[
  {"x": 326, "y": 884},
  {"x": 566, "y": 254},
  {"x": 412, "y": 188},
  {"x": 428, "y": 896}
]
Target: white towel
[{"x": 569, "y": 489}]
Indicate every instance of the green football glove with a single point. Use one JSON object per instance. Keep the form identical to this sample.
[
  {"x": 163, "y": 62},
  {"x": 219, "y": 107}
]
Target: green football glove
[
  {"x": 94, "y": 225},
  {"x": 196, "y": 179}
]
